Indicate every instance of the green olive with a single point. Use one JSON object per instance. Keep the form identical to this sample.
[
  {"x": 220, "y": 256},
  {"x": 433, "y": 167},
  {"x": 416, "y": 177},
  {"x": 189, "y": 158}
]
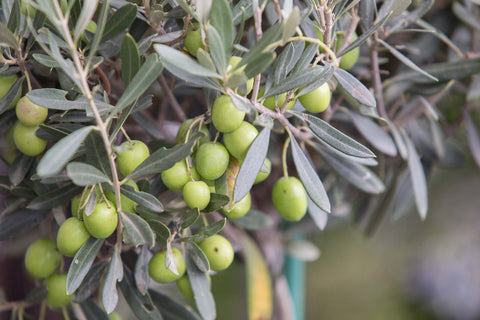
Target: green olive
[
  {"x": 71, "y": 236},
  {"x": 234, "y": 61},
  {"x": 350, "y": 58},
  {"x": 219, "y": 252},
  {"x": 182, "y": 132},
  {"x": 240, "y": 208},
  {"x": 193, "y": 39},
  {"x": 238, "y": 141},
  {"x": 29, "y": 113},
  {"x": 317, "y": 100},
  {"x": 226, "y": 117},
  {"x": 177, "y": 176},
  {"x": 42, "y": 258},
  {"x": 159, "y": 272},
  {"x": 290, "y": 198},
  {"x": 6, "y": 82},
  {"x": 211, "y": 160},
  {"x": 103, "y": 220},
  {"x": 127, "y": 204},
  {"x": 264, "y": 175},
  {"x": 276, "y": 101},
  {"x": 57, "y": 290},
  {"x": 130, "y": 154},
  {"x": 27, "y": 141},
  {"x": 196, "y": 194}
]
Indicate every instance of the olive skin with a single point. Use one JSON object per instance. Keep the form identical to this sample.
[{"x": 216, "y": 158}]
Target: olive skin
[
  {"x": 240, "y": 208},
  {"x": 234, "y": 61},
  {"x": 57, "y": 290},
  {"x": 196, "y": 194},
  {"x": 238, "y": 141},
  {"x": 350, "y": 58},
  {"x": 71, "y": 236},
  {"x": 317, "y": 100},
  {"x": 183, "y": 285},
  {"x": 290, "y": 198},
  {"x": 159, "y": 272},
  {"x": 27, "y": 141},
  {"x": 211, "y": 160},
  {"x": 226, "y": 117},
  {"x": 177, "y": 176},
  {"x": 29, "y": 113},
  {"x": 103, "y": 220},
  {"x": 130, "y": 155},
  {"x": 193, "y": 39},
  {"x": 219, "y": 252},
  {"x": 274, "y": 101},
  {"x": 6, "y": 82},
  {"x": 42, "y": 258},
  {"x": 182, "y": 132}
]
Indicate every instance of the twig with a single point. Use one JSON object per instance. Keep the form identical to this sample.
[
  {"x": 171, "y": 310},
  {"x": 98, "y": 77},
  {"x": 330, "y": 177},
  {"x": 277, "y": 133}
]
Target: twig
[
  {"x": 173, "y": 101},
  {"x": 377, "y": 81}
]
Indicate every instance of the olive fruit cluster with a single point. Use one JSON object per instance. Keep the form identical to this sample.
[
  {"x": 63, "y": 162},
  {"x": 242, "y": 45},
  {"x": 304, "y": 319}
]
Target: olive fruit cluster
[{"x": 42, "y": 261}]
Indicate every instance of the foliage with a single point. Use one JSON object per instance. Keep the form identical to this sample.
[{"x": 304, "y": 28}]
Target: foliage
[{"x": 400, "y": 111}]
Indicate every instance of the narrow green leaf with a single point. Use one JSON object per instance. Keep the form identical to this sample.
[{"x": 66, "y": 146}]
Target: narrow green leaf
[
  {"x": 318, "y": 75},
  {"x": 291, "y": 24},
  {"x": 83, "y": 174},
  {"x": 92, "y": 311},
  {"x": 217, "y": 201},
  {"x": 253, "y": 220},
  {"x": 14, "y": 20},
  {"x": 217, "y": 50},
  {"x": 82, "y": 262},
  {"x": 20, "y": 168},
  {"x": 114, "y": 274},
  {"x": 306, "y": 58},
  {"x": 251, "y": 165},
  {"x": 141, "y": 305},
  {"x": 130, "y": 57},
  {"x": 55, "y": 99},
  {"x": 366, "y": 10},
  {"x": 20, "y": 222},
  {"x": 161, "y": 230},
  {"x": 259, "y": 64},
  {"x": 203, "y": 10},
  {"x": 393, "y": 8},
  {"x": 163, "y": 159},
  {"x": 137, "y": 231},
  {"x": 54, "y": 197},
  {"x": 319, "y": 216},
  {"x": 59, "y": 155},
  {"x": 119, "y": 21},
  {"x": 198, "y": 257},
  {"x": 334, "y": 137},
  {"x": 409, "y": 63},
  {"x": 200, "y": 286},
  {"x": 90, "y": 283},
  {"x": 142, "y": 80},
  {"x": 270, "y": 36},
  {"x": 221, "y": 18},
  {"x": 96, "y": 153},
  {"x": 309, "y": 177},
  {"x": 205, "y": 232},
  {"x": 102, "y": 19},
  {"x": 142, "y": 198},
  {"x": 419, "y": 182},
  {"x": 287, "y": 60},
  {"x": 189, "y": 218},
  {"x": 353, "y": 87},
  {"x": 88, "y": 10},
  {"x": 358, "y": 175},
  {"x": 172, "y": 57},
  {"x": 170, "y": 309},
  {"x": 142, "y": 277},
  {"x": 7, "y": 39},
  {"x": 374, "y": 134}
]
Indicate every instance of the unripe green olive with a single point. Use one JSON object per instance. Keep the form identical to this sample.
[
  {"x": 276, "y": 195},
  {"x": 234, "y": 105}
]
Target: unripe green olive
[
  {"x": 127, "y": 204},
  {"x": 290, "y": 198},
  {"x": 226, "y": 117},
  {"x": 350, "y": 58},
  {"x": 29, "y": 113},
  {"x": 182, "y": 132},
  {"x": 264, "y": 175},
  {"x": 193, "y": 39},
  {"x": 240, "y": 208},
  {"x": 114, "y": 316},
  {"x": 71, "y": 236},
  {"x": 6, "y": 82},
  {"x": 103, "y": 220},
  {"x": 234, "y": 61},
  {"x": 183, "y": 284},
  {"x": 317, "y": 100},
  {"x": 219, "y": 252},
  {"x": 27, "y": 141},
  {"x": 130, "y": 155},
  {"x": 274, "y": 101},
  {"x": 239, "y": 140},
  {"x": 57, "y": 290},
  {"x": 42, "y": 258},
  {"x": 75, "y": 207},
  {"x": 210, "y": 184},
  {"x": 211, "y": 160},
  {"x": 159, "y": 272},
  {"x": 175, "y": 177},
  {"x": 196, "y": 194}
]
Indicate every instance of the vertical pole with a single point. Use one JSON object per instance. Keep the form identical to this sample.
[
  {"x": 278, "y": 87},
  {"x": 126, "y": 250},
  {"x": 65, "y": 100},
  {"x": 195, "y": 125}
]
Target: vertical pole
[{"x": 294, "y": 270}]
